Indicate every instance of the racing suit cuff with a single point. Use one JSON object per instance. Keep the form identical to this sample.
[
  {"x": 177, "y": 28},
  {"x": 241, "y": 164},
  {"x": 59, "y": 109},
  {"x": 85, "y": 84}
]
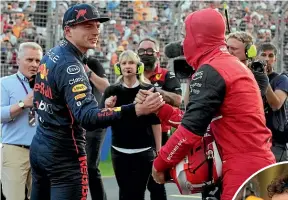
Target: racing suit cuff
[
  {"x": 128, "y": 110},
  {"x": 176, "y": 148},
  {"x": 165, "y": 112},
  {"x": 159, "y": 164}
]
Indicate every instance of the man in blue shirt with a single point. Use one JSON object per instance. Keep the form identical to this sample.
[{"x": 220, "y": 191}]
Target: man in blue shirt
[
  {"x": 275, "y": 99},
  {"x": 18, "y": 123}
]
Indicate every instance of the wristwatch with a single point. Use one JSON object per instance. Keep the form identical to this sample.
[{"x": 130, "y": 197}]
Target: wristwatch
[{"x": 21, "y": 104}]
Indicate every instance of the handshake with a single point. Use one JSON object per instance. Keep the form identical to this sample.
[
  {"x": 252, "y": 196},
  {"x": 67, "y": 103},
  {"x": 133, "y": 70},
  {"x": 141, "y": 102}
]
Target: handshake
[{"x": 146, "y": 101}]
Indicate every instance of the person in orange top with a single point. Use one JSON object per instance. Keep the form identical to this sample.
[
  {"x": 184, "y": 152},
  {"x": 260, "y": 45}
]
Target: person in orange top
[
  {"x": 115, "y": 55},
  {"x": 18, "y": 27}
]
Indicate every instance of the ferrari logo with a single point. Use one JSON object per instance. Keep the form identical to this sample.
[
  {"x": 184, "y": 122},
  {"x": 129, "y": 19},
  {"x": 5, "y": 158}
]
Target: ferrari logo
[{"x": 158, "y": 76}]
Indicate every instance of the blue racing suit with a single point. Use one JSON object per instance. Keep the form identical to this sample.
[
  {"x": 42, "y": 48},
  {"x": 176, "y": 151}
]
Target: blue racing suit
[{"x": 65, "y": 104}]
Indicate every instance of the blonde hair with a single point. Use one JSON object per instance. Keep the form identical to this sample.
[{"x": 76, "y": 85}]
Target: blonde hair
[
  {"x": 241, "y": 36},
  {"x": 129, "y": 55},
  {"x": 29, "y": 45}
]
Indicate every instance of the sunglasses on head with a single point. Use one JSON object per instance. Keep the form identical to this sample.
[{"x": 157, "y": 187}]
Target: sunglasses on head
[
  {"x": 149, "y": 51},
  {"x": 270, "y": 55}
]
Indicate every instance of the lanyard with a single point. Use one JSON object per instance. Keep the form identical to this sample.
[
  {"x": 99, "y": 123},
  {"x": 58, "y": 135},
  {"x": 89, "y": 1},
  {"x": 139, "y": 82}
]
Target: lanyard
[{"x": 22, "y": 83}]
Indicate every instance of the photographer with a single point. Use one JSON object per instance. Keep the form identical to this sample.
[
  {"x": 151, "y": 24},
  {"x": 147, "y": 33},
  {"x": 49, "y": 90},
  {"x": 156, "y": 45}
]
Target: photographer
[
  {"x": 274, "y": 103},
  {"x": 240, "y": 44}
]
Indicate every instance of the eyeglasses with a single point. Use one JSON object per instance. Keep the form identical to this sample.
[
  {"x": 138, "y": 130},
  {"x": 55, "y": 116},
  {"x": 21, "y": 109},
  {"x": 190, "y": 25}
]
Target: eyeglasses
[
  {"x": 270, "y": 55},
  {"x": 149, "y": 51}
]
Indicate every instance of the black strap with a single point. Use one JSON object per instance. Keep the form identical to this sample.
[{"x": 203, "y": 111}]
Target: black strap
[
  {"x": 210, "y": 168},
  {"x": 22, "y": 83}
]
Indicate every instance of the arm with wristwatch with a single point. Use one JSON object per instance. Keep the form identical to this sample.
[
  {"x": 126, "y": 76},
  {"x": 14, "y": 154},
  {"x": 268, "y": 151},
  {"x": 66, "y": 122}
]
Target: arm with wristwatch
[{"x": 9, "y": 112}]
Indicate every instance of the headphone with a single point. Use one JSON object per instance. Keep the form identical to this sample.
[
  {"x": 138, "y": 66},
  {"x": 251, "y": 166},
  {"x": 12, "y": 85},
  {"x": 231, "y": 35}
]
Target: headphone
[
  {"x": 140, "y": 68},
  {"x": 250, "y": 51}
]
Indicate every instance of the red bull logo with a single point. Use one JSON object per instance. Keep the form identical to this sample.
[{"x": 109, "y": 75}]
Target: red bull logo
[
  {"x": 43, "y": 89},
  {"x": 81, "y": 13},
  {"x": 43, "y": 71}
]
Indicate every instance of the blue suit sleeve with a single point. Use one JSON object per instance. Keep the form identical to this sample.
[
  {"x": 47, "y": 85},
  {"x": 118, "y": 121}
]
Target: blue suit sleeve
[{"x": 81, "y": 102}]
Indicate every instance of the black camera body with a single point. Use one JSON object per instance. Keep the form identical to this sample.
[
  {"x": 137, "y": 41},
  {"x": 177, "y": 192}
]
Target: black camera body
[
  {"x": 258, "y": 66},
  {"x": 182, "y": 69}
]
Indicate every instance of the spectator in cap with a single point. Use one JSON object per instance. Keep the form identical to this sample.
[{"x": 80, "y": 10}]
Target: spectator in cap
[{"x": 115, "y": 55}]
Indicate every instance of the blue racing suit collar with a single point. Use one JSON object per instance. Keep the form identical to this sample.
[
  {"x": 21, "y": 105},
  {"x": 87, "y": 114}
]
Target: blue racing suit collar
[{"x": 73, "y": 49}]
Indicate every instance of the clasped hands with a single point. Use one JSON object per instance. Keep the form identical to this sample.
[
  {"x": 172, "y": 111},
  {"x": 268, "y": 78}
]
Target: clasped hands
[{"x": 146, "y": 101}]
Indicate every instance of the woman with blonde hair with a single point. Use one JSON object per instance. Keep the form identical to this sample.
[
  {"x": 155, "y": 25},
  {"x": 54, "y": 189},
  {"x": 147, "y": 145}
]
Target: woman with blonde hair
[{"x": 132, "y": 139}]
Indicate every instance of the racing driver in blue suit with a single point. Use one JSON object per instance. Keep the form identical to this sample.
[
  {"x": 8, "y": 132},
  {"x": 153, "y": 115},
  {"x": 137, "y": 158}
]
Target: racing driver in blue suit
[{"x": 64, "y": 104}]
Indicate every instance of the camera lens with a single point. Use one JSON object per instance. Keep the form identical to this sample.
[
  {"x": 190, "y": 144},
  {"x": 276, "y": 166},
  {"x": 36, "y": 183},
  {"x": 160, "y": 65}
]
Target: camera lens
[{"x": 258, "y": 66}]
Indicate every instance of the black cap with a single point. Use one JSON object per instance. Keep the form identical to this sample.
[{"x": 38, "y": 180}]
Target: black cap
[{"x": 82, "y": 13}]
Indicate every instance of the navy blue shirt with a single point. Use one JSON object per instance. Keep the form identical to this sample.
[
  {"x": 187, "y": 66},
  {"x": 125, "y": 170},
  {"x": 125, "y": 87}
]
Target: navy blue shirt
[{"x": 276, "y": 120}]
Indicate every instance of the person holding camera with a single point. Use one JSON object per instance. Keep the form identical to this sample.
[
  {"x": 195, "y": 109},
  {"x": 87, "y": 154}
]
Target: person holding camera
[
  {"x": 221, "y": 88},
  {"x": 240, "y": 44},
  {"x": 274, "y": 104}
]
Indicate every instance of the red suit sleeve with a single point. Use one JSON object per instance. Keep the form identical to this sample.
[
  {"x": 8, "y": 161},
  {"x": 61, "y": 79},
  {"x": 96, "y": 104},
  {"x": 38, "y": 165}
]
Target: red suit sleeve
[
  {"x": 170, "y": 115},
  {"x": 175, "y": 149},
  {"x": 207, "y": 92}
]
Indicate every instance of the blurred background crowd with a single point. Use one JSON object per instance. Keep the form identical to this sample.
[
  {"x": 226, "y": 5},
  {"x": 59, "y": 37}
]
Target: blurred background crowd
[{"x": 131, "y": 21}]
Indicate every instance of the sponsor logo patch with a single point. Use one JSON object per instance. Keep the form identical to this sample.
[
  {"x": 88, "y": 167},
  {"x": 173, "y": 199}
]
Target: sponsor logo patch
[
  {"x": 73, "y": 69},
  {"x": 76, "y": 80},
  {"x": 79, "y": 88},
  {"x": 43, "y": 71},
  {"x": 44, "y": 106},
  {"x": 80, "y": 96},
  {"x": 81, "y": 13},
  {"x": 158, "y": 76},
  {"x": 43, "y": 89}
]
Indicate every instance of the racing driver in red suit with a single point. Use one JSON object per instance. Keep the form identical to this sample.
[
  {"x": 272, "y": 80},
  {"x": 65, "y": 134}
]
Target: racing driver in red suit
[{"x": 223, "y": 88}]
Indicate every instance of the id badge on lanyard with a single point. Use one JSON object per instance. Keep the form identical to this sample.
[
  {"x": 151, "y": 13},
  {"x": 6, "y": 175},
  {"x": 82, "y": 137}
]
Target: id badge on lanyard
[{"x": 31, "y": 114}]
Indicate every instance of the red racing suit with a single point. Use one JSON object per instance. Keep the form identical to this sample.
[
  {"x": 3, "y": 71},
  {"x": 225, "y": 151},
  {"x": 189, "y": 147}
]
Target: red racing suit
[{"x": 222, "y": 88}]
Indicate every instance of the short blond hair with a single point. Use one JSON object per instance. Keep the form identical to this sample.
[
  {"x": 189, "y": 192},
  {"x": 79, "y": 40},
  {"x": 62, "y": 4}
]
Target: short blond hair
[
  {"x": 129, "y": 55},
  {"x": 29, "y": 45},
  {"x": 241, "y": 36}
]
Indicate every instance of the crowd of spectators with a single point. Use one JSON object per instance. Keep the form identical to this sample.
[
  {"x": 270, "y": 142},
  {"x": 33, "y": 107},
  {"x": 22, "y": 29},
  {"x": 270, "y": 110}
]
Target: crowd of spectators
[{"x": 131, "y": 21}]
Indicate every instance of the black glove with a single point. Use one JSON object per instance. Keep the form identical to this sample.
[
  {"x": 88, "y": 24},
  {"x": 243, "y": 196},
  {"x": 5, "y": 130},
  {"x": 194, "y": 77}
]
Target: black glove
[
  {"x": 96, "y": 66},
  {"x": 262, "y": 80}
]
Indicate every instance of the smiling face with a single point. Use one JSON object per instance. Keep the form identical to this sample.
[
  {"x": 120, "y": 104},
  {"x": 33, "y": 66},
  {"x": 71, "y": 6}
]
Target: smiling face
[
  {"x": 84, "y": 35},
  {"x": 28, "y": 61}
]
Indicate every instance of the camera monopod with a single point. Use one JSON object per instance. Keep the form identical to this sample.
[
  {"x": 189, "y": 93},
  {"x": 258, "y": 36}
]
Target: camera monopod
[{"x": 226, "y": 15}]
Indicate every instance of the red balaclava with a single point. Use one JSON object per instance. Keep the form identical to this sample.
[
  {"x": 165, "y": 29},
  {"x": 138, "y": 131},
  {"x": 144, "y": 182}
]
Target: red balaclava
[{"x": 205, "y": 34}]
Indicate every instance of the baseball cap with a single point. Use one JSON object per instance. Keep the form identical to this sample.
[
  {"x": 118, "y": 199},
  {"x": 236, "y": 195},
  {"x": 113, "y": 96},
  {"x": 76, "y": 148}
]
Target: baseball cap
[{"x": 80, "y": 13}]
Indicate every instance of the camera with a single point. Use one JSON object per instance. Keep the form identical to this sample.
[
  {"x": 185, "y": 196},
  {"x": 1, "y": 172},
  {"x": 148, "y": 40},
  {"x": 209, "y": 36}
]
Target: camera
[
  {"x": 182, "y": 69},
  {"x": 258, "y": 66}
]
